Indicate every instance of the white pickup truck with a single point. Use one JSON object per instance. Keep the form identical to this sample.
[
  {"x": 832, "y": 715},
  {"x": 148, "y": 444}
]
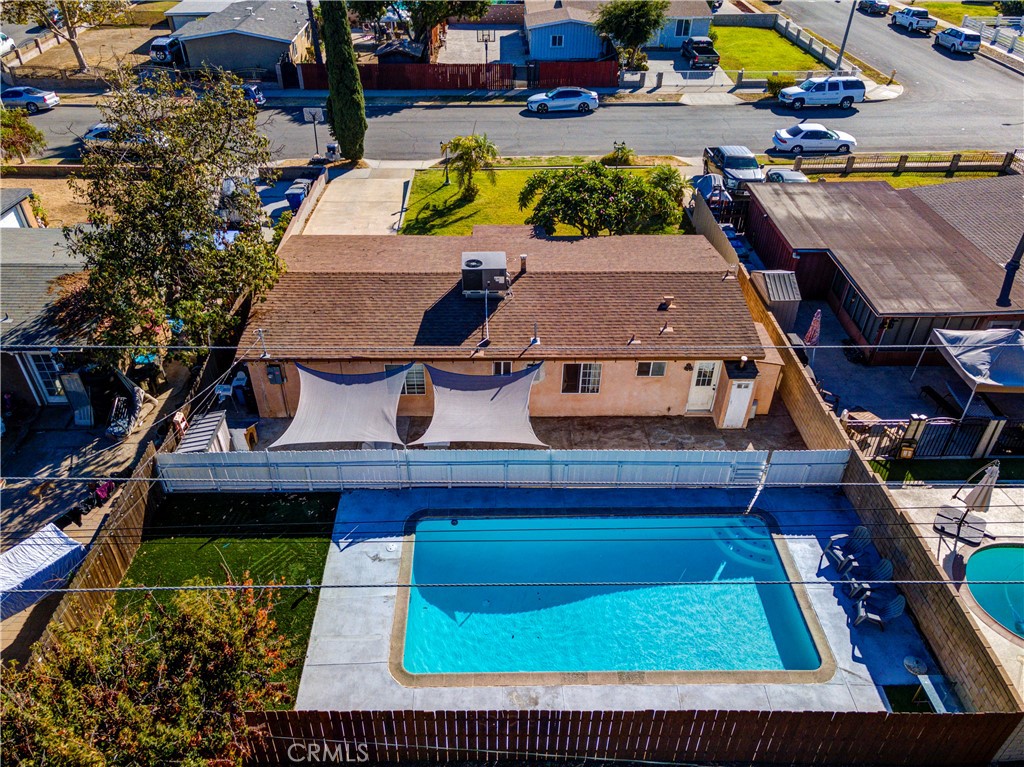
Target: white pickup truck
[{"x": 913, "y": 20}]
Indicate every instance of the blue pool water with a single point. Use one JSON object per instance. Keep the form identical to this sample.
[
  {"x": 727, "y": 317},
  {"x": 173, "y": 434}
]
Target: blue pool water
[
  {"x": 1004, "y": 602},
  {"x": 725, "y": 622}
]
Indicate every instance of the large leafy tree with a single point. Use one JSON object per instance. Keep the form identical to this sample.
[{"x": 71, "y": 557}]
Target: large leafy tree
[
  {"x": 595, "y": 199},
  {"x": 64, "y": 18},
  {"x": 346, "y": 106},
  {"x": 160, "y": 683},
  {"x": 158, "y": 250},
  {"x": 631, "y": 23},
  {"x": 470, "y": 155},
  {"x": 423, "y": 15},
  {"x": 18, "y": 136}
]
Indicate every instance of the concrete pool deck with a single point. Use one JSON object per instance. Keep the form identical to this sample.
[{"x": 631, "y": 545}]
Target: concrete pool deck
[{"x": 347, "y": 661}]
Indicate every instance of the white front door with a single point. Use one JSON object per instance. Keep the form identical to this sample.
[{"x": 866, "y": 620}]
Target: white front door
[
  {"x": 46, "y": 377},
  {"x": 739, "y": 403},
  {"x": 702, "y": 387}
]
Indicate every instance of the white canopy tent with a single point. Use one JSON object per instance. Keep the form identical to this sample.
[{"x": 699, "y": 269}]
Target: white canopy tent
[
  {"x": 470, "y": 408},
  {"x": 334, "y": 407},
  {"x": 987, "y": 360}
]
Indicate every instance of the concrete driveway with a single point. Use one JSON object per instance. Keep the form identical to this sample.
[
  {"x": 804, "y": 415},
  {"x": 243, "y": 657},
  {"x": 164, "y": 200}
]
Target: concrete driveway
[
  {"x": 362, "y": 201},
  {"x": 461, "y": 46}
]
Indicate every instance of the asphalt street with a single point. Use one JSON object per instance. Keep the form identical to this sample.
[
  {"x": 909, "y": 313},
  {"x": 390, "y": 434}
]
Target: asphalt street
[{"x": 950, "y": 102}]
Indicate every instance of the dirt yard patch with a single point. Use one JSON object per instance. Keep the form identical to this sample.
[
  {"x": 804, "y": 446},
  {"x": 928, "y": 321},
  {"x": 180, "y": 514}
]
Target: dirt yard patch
[
  {"x": 106, "y": 47},
  {"x": 58, "y": 200}
]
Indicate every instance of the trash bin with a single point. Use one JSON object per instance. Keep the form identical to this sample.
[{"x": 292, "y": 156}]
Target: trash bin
[
  {"x": 295, "y": 194},
  {"x": 332, "y": 152}
]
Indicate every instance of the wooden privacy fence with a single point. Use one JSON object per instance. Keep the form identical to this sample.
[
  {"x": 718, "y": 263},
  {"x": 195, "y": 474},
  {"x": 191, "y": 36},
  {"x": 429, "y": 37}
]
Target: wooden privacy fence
[
  {"x": 935, "y": 162},
  {"x": 329, "y": 470},
  {"x": 583, "y": 74},
  {"x": 756, "y": 737},
  {"x": 411, "y": 77},
  {"x": 111, "y": 554}
]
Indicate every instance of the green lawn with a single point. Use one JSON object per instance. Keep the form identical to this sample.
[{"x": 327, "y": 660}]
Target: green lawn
[
  {"x": 901, "y": 180},
  {"x": 953, "y": 13},
  {"x": 949, "y": 470},
  {"x": 439, "y": 210},
  {"x": 760, "y": 52},
  {"x": 271, "y": 536}
]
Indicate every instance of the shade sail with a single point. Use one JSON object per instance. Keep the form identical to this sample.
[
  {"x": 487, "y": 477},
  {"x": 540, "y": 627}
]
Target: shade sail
[
  {"x": 44, "y": 560},
  {"x": 988, "y": 360},
  {"x": 469, "y": 408},
  {"x": 334, "y": 407}
]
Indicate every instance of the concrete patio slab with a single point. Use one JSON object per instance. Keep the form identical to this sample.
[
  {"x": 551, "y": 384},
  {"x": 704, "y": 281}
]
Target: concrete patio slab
[
  {"x": 461, "y": 46},
  {"x": 367, "y": 202},
  {"x": 353, "y": 626}
]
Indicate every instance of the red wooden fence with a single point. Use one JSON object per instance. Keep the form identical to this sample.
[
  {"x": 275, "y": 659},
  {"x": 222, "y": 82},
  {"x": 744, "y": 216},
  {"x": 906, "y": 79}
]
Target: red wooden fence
[
  {"x": 413, "y": 77},
  {"x": 757, "y": 737},
  {"x": 583, "y": 74}
]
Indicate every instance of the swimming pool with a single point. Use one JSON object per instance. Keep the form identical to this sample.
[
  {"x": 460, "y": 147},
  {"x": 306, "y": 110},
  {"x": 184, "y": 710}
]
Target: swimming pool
[
  {"x": 1004, "y": 603},
  {"x": 650, "y": 593}
]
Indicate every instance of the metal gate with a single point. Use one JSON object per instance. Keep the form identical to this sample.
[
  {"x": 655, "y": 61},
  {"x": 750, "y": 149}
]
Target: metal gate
[
  {"x": 950, "y": 438},
  {"x": 526, "y": 75}
]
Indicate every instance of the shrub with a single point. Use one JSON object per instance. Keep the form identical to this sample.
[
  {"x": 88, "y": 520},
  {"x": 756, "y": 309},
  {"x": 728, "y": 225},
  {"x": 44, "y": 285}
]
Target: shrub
[
  {"x": 713, "y": 34},
  {"x": 777, "y": 82},
  {"x": 670, "y": 181},
  {"x": 1010, "y": 7},
  {"x": 621, "y": 155}
]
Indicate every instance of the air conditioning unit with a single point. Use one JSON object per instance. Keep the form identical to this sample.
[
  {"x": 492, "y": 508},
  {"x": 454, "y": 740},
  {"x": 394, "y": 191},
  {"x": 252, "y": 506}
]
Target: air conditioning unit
[{"x": 484, "y": 272}]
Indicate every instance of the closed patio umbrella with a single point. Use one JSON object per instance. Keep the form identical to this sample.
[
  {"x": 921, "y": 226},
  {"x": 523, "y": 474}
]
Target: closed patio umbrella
[
  {"x": 813, "y": 335},
  {"x": 968, "y": 526}
]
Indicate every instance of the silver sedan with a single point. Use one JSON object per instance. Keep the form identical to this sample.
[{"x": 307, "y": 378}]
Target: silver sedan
[
  {"x": 32, "y": 100},
  {"x": 578, "y": 99}
]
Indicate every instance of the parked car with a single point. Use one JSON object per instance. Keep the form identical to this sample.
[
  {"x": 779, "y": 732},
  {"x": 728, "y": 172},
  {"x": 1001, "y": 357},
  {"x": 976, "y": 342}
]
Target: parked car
[
  {"x": 32, "y": 100},
  {"x": 824, "y": 91},
  {"x": 735, "y": 164},
  {"x": 914, "y": 20},
  {"x": 785, "y": 176},
  {"x": 253, "y": 93},
  {"x": 105, "y": 135},
  {"x": 579, "y": 99},
  {"x": 958, "y": 40},
  {"x": 167, "y": 51},
  {"x": 6, "y": 44},
  {"x": 700, "y": 53},
  {"x": 874, "y": 7},
  {"x": 812, "y": 137}
]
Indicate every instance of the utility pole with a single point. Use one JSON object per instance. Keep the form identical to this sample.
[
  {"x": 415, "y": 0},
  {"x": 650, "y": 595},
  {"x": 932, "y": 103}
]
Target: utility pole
[
  {"x": 846, "y": 34},
  {"x": 314, "y": 30},
  {"x": 1011, "y": 271}
]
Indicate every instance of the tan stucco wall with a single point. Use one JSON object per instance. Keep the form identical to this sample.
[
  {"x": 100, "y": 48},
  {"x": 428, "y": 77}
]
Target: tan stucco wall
[
  {"x": 232, "y": 51},
  {"x": 622, "y": 392}
]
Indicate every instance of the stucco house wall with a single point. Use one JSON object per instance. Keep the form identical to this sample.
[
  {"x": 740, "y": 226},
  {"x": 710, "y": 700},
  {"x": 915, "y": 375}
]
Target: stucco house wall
[{"x": 233, "y": 51}]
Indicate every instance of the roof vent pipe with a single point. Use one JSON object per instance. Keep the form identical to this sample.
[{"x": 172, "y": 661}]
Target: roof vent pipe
[
  {"x": 743, "y": 361},
  {"x": 250, "y": 10},
  {"x": 522, "y": 263}
]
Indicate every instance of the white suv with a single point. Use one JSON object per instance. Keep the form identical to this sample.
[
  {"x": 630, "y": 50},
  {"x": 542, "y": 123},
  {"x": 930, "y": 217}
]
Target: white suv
[
  {"x": 959, "y": 40},
  {"x": 824, "y": 91}
]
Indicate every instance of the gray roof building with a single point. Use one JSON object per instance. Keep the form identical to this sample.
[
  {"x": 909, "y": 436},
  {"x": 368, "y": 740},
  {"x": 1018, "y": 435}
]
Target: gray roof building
[
  {"x": 10, "y": 198},
  {"x": 32, "y": 259},
  {"x": 280, "y": 21}
]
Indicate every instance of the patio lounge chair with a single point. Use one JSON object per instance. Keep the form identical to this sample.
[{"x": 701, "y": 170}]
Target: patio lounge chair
[
  {"x": 866, "y": 611},
  {"x": 842, "y": 550},
  {"x": 861, "y": 578}
]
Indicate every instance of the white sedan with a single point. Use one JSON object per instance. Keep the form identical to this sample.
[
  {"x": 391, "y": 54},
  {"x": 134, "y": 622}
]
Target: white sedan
[
  {"x": 578, "y": 99},
  {"x": 811, "y": 137}
]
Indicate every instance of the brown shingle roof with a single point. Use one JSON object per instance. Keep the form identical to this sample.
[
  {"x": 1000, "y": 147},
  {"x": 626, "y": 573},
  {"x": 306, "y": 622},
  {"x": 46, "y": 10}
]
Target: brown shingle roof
[
  {"x": 904, "y": 258},
  {"x": 397, "y": 297},
  {"x": 987, "y": 211}
]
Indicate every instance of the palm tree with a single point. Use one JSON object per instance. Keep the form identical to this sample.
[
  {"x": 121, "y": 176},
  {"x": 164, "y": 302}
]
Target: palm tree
[{"x": 470, "y": 155}]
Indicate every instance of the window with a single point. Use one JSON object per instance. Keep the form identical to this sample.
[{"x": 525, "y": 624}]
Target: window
[
  {"x": 503, "y": 368},
  {"x": 47, "y": 375},
  {"x": 650, "y": 369},
  {"x": 415, "y": 380},
  {"x": 833, "y": 85},
  {"x": 581, "y": 378},
  {"x": 705, "y": 375},
  {"x": 682, "y": 27},
  {"x": 557, "y": 41}
]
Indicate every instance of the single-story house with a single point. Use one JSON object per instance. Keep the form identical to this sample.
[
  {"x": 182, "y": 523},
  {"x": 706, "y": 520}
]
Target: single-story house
[
  {"x": 892, "y": 268},
  {"x": 624, "y": 326},
  {"x": 193, "y": 10},
  {"x": 563, "y": 30},
  {"x": 248, "y": 35},
  {"x": 33, "y": 260},
  {"x": 16, "y": 209}
]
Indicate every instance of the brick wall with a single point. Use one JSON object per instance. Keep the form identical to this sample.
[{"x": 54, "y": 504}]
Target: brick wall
[{"x": 965, "y": 656}]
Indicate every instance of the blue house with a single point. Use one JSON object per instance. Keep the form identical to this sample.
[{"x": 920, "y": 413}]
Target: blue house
[{"x": 563, "y": 30}]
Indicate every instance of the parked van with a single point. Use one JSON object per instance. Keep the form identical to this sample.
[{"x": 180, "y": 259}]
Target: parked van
[
  {"x": 959, "y": 40},
  {"x": 824, "y": 91},
  {"x": 167, "y": 51}
]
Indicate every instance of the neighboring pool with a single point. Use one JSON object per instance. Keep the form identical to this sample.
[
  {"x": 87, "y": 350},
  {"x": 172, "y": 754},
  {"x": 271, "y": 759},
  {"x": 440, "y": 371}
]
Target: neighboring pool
[
  {"x": 726, "y": 622},
  {"x": 1003, "y": 603}
]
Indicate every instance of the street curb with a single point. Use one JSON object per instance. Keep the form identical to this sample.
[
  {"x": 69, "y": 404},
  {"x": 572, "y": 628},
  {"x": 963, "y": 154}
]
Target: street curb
[{"x": 1002, "y": 63}]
